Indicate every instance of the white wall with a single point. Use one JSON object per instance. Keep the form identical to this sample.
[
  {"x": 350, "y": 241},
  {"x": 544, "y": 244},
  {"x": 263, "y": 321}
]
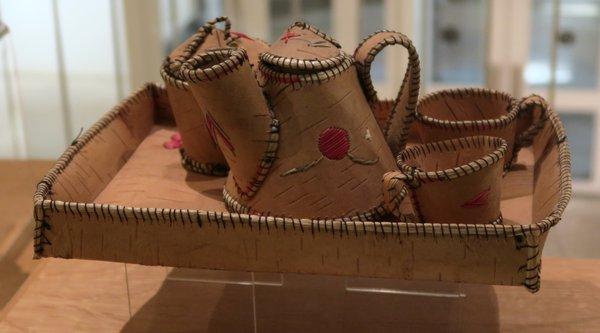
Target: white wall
[{"x": 61, "y": 84}]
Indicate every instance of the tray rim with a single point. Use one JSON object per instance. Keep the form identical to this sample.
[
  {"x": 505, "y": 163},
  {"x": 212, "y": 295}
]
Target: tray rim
[{"x": 526, "y": 235}]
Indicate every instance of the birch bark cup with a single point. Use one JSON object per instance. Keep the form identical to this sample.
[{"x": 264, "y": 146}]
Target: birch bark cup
[
  {"x": 451, "y": 181},
  {"x": 463, "y": 112},
  {"x": 200, "y": 153},
  {"x": 237, "y": 116},
  {"x": 402, "y": 112},
  {"x": 331, "y": 153},
  {"x": 455, "y": 113}
]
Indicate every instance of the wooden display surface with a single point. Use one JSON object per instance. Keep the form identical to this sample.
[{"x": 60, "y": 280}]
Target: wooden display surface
[
  {"x": 88, "y": 296},
  {"x": 118, "y": 195}
]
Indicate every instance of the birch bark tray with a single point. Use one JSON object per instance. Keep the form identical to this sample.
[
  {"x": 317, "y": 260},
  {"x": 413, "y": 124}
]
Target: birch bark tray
[{"x": 117, "y": 194}]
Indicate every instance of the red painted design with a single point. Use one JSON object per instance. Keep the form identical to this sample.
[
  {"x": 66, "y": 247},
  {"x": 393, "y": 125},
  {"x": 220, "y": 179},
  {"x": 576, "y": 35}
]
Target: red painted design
[
  {"x": 241, "y": 35},
  {"x": 239, "y": 189},
  {"x": 289, "y": 35},
  {"x": 243, "y": 192},
  {"x": 174, "y": 143},
  {"x": 334, "y": 143},
  {"x": 215, "y": 130},
  {"x": 478, "y": 200}
]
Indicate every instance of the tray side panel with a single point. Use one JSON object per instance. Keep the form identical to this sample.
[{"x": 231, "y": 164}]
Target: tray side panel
[
  {"x": 551, "y": 192},
  {"x": 200, "y": 240},
  {"x": 106, "y": 150},
  {"x": 547, "y": 176}
]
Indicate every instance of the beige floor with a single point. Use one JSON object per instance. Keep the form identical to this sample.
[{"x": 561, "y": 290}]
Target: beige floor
[{"x": 17, "y": 184}]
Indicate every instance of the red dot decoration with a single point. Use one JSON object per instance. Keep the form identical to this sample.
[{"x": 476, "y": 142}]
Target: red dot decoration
[{"x": 334, "y": 143}]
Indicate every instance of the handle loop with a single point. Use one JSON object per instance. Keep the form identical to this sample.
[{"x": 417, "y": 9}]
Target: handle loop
[
  {"x": 226, "y": 29},
  {"x": 395, "y": 190},
  {"x": 402, "y": 112},
  {"x": 529, "y": 104}
]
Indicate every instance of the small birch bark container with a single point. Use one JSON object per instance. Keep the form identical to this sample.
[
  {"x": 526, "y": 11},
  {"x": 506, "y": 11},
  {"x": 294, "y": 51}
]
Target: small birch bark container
[
  {"x": 200, "y": 152},
  {"x": 463, "y": 112},
  {"x": 237, "y": 115},
  {"x": 450, "y": 181}
]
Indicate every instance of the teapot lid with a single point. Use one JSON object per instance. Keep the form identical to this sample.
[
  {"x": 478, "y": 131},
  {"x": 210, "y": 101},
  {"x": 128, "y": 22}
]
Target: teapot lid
[
  {"x": 304, "y": 47},
  {"x": 304, "y": 41},
  {"x": 304, "y": 54},
  {"x": 204, "y": 39}
]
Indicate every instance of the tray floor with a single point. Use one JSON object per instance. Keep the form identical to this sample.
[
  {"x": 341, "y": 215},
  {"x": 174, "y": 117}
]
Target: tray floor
[{"x": 153, "y": 177}]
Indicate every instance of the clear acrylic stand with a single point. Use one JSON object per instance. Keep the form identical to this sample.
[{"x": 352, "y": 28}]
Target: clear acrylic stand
[
  {"x": 259, "y": 279},
  {"x": 265, "y": 302},
  {"x": 396, "y": 287},
  {"x": 250, "y": 279}
]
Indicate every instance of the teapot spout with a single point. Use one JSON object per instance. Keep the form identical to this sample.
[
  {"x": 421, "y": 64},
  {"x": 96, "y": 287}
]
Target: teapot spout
[{"x": 237, "y": 115}]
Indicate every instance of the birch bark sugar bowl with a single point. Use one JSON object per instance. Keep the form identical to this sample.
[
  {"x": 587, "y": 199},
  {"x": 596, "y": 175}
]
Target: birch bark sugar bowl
[{"x": 287, "y": 148}]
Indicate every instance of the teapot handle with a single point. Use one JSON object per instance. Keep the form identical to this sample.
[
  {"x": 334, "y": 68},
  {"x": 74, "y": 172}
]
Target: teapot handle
[
  {"x": 530, "y": 104},
  {"x": 398, "y": 123},
  {"x": 221, "y": 19}
]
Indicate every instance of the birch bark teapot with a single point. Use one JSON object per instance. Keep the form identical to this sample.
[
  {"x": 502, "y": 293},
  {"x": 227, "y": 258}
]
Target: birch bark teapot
[{"x": 303, "y": 142}]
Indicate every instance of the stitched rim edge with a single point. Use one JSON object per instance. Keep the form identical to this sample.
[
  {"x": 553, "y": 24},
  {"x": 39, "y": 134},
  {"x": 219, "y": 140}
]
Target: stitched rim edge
[
  {"x": 272, "y": 74},
  {"x": 499, "y": 145},
  {"x": 371, "y": 215},
  {"x": 468, "y": 124},
  {"x": 302, "y": 65},
  {"x": 220, "y": 63},
  {"x": 211, "y": 169},
  {"x": 172, "y": 78}
]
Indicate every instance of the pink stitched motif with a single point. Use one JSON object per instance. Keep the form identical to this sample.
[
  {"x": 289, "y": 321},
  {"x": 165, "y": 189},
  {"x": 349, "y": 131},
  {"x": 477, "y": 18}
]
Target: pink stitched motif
[
  {"x": 334, "y": 143},
  {"x": 289, "y": 35},
  {"x": 215, "y": 130},
  {"x": 479, "y": 200},
  {"x": 240, "y": 35},
  {"x": 174, "y": 143}
]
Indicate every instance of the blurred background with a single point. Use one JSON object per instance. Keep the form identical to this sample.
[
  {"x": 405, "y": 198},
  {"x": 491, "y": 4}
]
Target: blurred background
[{"x": 63, "y": 63}]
